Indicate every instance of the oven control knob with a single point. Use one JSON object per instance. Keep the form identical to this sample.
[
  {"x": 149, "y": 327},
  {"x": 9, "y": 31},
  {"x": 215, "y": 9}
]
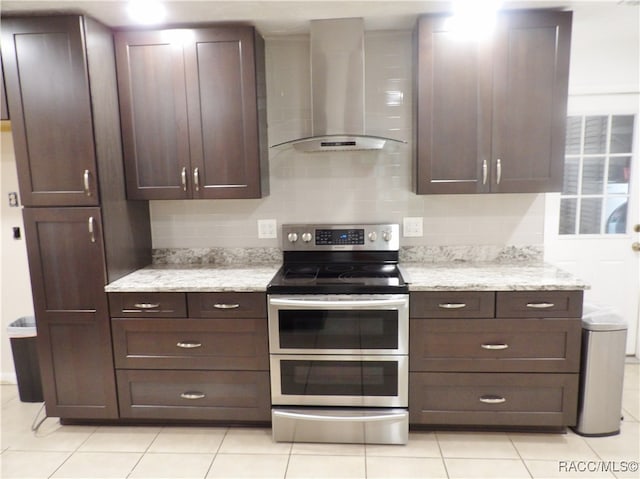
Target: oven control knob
[
  {"x": 292, "y": 237},
  {"x": 387, "y": 235},
  {"x": 306, "y": 237},
  {"x": 373, "y": 236}
]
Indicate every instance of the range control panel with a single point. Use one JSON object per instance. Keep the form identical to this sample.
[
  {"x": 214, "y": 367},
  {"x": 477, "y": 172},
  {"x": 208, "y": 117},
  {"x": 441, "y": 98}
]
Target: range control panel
[{"x": 373, "y": 237}]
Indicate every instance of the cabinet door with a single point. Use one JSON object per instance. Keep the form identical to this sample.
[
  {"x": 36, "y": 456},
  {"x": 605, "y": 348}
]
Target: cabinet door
[
  {"x": 531, "y": 70},
  {"x": 66, "y": 261},
  {"x": 48, "y": 94},
  {"x": 223, "y": 113},
  {"x": 454, "y": 111},
  {"x": 153, "y": 111}
]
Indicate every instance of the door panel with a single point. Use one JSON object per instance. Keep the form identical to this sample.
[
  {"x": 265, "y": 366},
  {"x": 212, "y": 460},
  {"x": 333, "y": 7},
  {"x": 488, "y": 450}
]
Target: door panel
[
  {"x": 606, "y": 261},
  {"x": 221, "y": 82},
  {"x": 48, "y": 94},
  {"x": 453, "y": 103},
  {"x": 530, "y": 90},
  {"x": 67, "y": 267},
  {"x": 153, "y": 114}
]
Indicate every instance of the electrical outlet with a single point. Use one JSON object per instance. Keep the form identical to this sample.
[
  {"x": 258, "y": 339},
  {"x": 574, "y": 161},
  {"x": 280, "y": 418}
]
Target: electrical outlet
[
  {"x": 13, "y": 199},
  {"x": 267, "y": 229},
  {"x": 412, "y": 226}
]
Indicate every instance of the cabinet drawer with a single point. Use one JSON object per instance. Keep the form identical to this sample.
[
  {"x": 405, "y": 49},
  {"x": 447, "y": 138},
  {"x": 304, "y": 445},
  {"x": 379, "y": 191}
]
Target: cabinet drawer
[
  {"x": 148, "y": 305},
  {"x": 453, "y": 304},
  {"x": 227, "y": 305},
  {"x": 499, "y": 399},
  {"x": 195, "y": 395},
  {"x": 233, "y": 344},
  {"x": 539, "y": 304},
  {"x": 505, "y": 345}
]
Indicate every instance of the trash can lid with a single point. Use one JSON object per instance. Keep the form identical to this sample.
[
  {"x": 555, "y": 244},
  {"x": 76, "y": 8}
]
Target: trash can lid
[
  {"x": 23, "y": 327},
  {"x": 602, "y": 318}
]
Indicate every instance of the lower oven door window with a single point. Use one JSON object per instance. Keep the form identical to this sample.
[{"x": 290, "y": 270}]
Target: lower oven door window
[{"x": 339, "y": 380}]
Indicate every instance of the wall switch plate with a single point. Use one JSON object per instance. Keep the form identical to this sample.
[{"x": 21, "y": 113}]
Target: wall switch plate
[
  {"x": 412, "y": 226},
  {"x": 267, "y": 229}
]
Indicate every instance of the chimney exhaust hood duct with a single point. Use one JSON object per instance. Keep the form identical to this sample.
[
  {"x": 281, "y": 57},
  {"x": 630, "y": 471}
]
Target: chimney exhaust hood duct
[{"x": 337, "y": 90}]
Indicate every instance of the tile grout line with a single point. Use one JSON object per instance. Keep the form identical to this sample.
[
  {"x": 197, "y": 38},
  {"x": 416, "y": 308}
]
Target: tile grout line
[
  {"x": 144, "y": 452},
  {"x": 444, "y": 463},
  {"x": 522, "y": 460},
  {"x": 215, "y": 454},
  {"x": 70, "y": 453}
]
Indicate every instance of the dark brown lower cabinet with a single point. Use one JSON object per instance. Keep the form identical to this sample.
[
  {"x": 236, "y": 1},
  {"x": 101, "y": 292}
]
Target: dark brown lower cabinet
[
  {"x": 497, "y": 399},
  {"x": 195, "y": 395},
  {"x": 494, "y": 359},
  {"x": 192, "y": 356},
  {"x": 68, "y": 274}
]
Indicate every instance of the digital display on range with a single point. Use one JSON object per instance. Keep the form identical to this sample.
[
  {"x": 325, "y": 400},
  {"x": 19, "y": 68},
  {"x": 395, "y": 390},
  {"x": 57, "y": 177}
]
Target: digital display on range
[{"x": 340, "y": 237}]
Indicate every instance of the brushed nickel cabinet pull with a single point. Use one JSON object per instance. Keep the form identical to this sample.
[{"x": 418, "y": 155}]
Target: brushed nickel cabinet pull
[
  {"x": 491, "y": 399},
  {"x": 188, "y": 344},
  {"x": 87, "y": 184},
  {"x": 540, "y": 305},
  {"x": 498, "y": 171},
  {"x": 196, "y": 179},
  {"x": 146, "y": 305},
  {"x": 226, "y": 306},
  {"x": 485, "y": 172},
  {"x": 193, "y": 395},
  {"x": 183, "y": 177},
  {"x": 494, "y": 347},
  {"x": 92, "y": 231},
  {"x": 452, "y": 305}
]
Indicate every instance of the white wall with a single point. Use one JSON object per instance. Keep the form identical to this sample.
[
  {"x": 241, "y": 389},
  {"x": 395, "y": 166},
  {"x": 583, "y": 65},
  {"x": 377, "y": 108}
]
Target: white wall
[
  {"x": 347, "y": 187},
  {"x": 15, "y": 287}
]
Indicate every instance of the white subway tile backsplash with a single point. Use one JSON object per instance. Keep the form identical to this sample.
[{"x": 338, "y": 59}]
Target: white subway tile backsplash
[{"x": 346, "y": 187}]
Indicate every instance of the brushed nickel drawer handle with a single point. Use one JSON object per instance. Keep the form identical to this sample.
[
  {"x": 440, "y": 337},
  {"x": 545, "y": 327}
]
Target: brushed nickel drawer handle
[
  {"x": 540, "y": 305},
  {"x": 226, "y": 306},
  {"x": 494, "y": 347},
  {"x": 188, "y": 344},
  {"x": 192, "y": 395},
  {"x": 490, "y": 399},
  {"x": 498, "y": 171},
  {"x": 196, "y": 179},
  {"x": 146, "y": 305},
  {"x": 452, "y": 305}
]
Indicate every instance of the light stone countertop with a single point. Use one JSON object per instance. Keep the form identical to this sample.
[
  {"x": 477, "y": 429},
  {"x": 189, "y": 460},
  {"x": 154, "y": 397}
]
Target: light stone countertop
[
  {"x": 423, "y": 276},
  {"x": 196, "y": 278},
  {"x": 488, "y": 276}
]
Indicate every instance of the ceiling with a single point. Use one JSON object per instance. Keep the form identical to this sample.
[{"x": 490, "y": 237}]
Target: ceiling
[{"x": 272, "y": 18}]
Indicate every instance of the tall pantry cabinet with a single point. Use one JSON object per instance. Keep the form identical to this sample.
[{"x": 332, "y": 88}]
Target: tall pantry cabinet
[{"x": 81, "y": 232}]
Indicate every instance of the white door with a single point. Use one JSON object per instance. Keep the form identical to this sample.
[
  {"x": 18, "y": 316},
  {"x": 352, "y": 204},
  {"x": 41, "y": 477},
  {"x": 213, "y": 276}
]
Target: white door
[{"x": 589, "y": 227}]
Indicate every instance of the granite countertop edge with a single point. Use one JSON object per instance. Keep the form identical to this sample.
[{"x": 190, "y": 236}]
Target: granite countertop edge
[{"x": 444, "y": 276}]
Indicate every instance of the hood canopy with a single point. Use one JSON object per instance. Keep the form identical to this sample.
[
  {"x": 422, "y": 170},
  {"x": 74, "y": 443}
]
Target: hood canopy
[{"x": 337, "y": 90}]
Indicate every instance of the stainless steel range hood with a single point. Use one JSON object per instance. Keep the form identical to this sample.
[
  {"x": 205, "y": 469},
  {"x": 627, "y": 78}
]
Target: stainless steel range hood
[{"x": 337, "y": 90}]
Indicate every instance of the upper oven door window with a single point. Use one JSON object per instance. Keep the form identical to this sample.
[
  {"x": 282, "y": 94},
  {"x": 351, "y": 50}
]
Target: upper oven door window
[{"x": 335, "y": 329}]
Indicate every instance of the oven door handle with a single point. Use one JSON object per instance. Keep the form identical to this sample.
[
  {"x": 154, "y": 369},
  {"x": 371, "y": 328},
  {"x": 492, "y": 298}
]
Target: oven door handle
[
  {"x": 319, "y": 417},
  {"x": 364, "y": 303}
]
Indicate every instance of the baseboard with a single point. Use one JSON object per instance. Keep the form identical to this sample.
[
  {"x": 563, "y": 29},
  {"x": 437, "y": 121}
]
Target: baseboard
[{"x": 8, "y": 378}]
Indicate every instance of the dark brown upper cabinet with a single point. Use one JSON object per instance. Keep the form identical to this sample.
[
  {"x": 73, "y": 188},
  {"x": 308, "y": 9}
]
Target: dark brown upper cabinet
[
  {"x": 491, "y": 114},
  {"x": 193, "y": 112},
  {"x": 47, "y": 85}
]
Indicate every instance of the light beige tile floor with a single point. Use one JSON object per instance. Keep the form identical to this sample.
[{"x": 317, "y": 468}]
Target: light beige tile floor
[{"x": 90, "y": 452}]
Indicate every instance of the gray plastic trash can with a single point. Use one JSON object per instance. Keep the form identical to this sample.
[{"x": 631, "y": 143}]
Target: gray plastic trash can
[
  {"x": 604, "y": 339},
  {"x": 22, "y": 334}
]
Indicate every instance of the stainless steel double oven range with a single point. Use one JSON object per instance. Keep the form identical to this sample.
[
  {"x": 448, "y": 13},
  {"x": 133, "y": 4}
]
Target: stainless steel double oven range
[{"x": 339, "y": 336}]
